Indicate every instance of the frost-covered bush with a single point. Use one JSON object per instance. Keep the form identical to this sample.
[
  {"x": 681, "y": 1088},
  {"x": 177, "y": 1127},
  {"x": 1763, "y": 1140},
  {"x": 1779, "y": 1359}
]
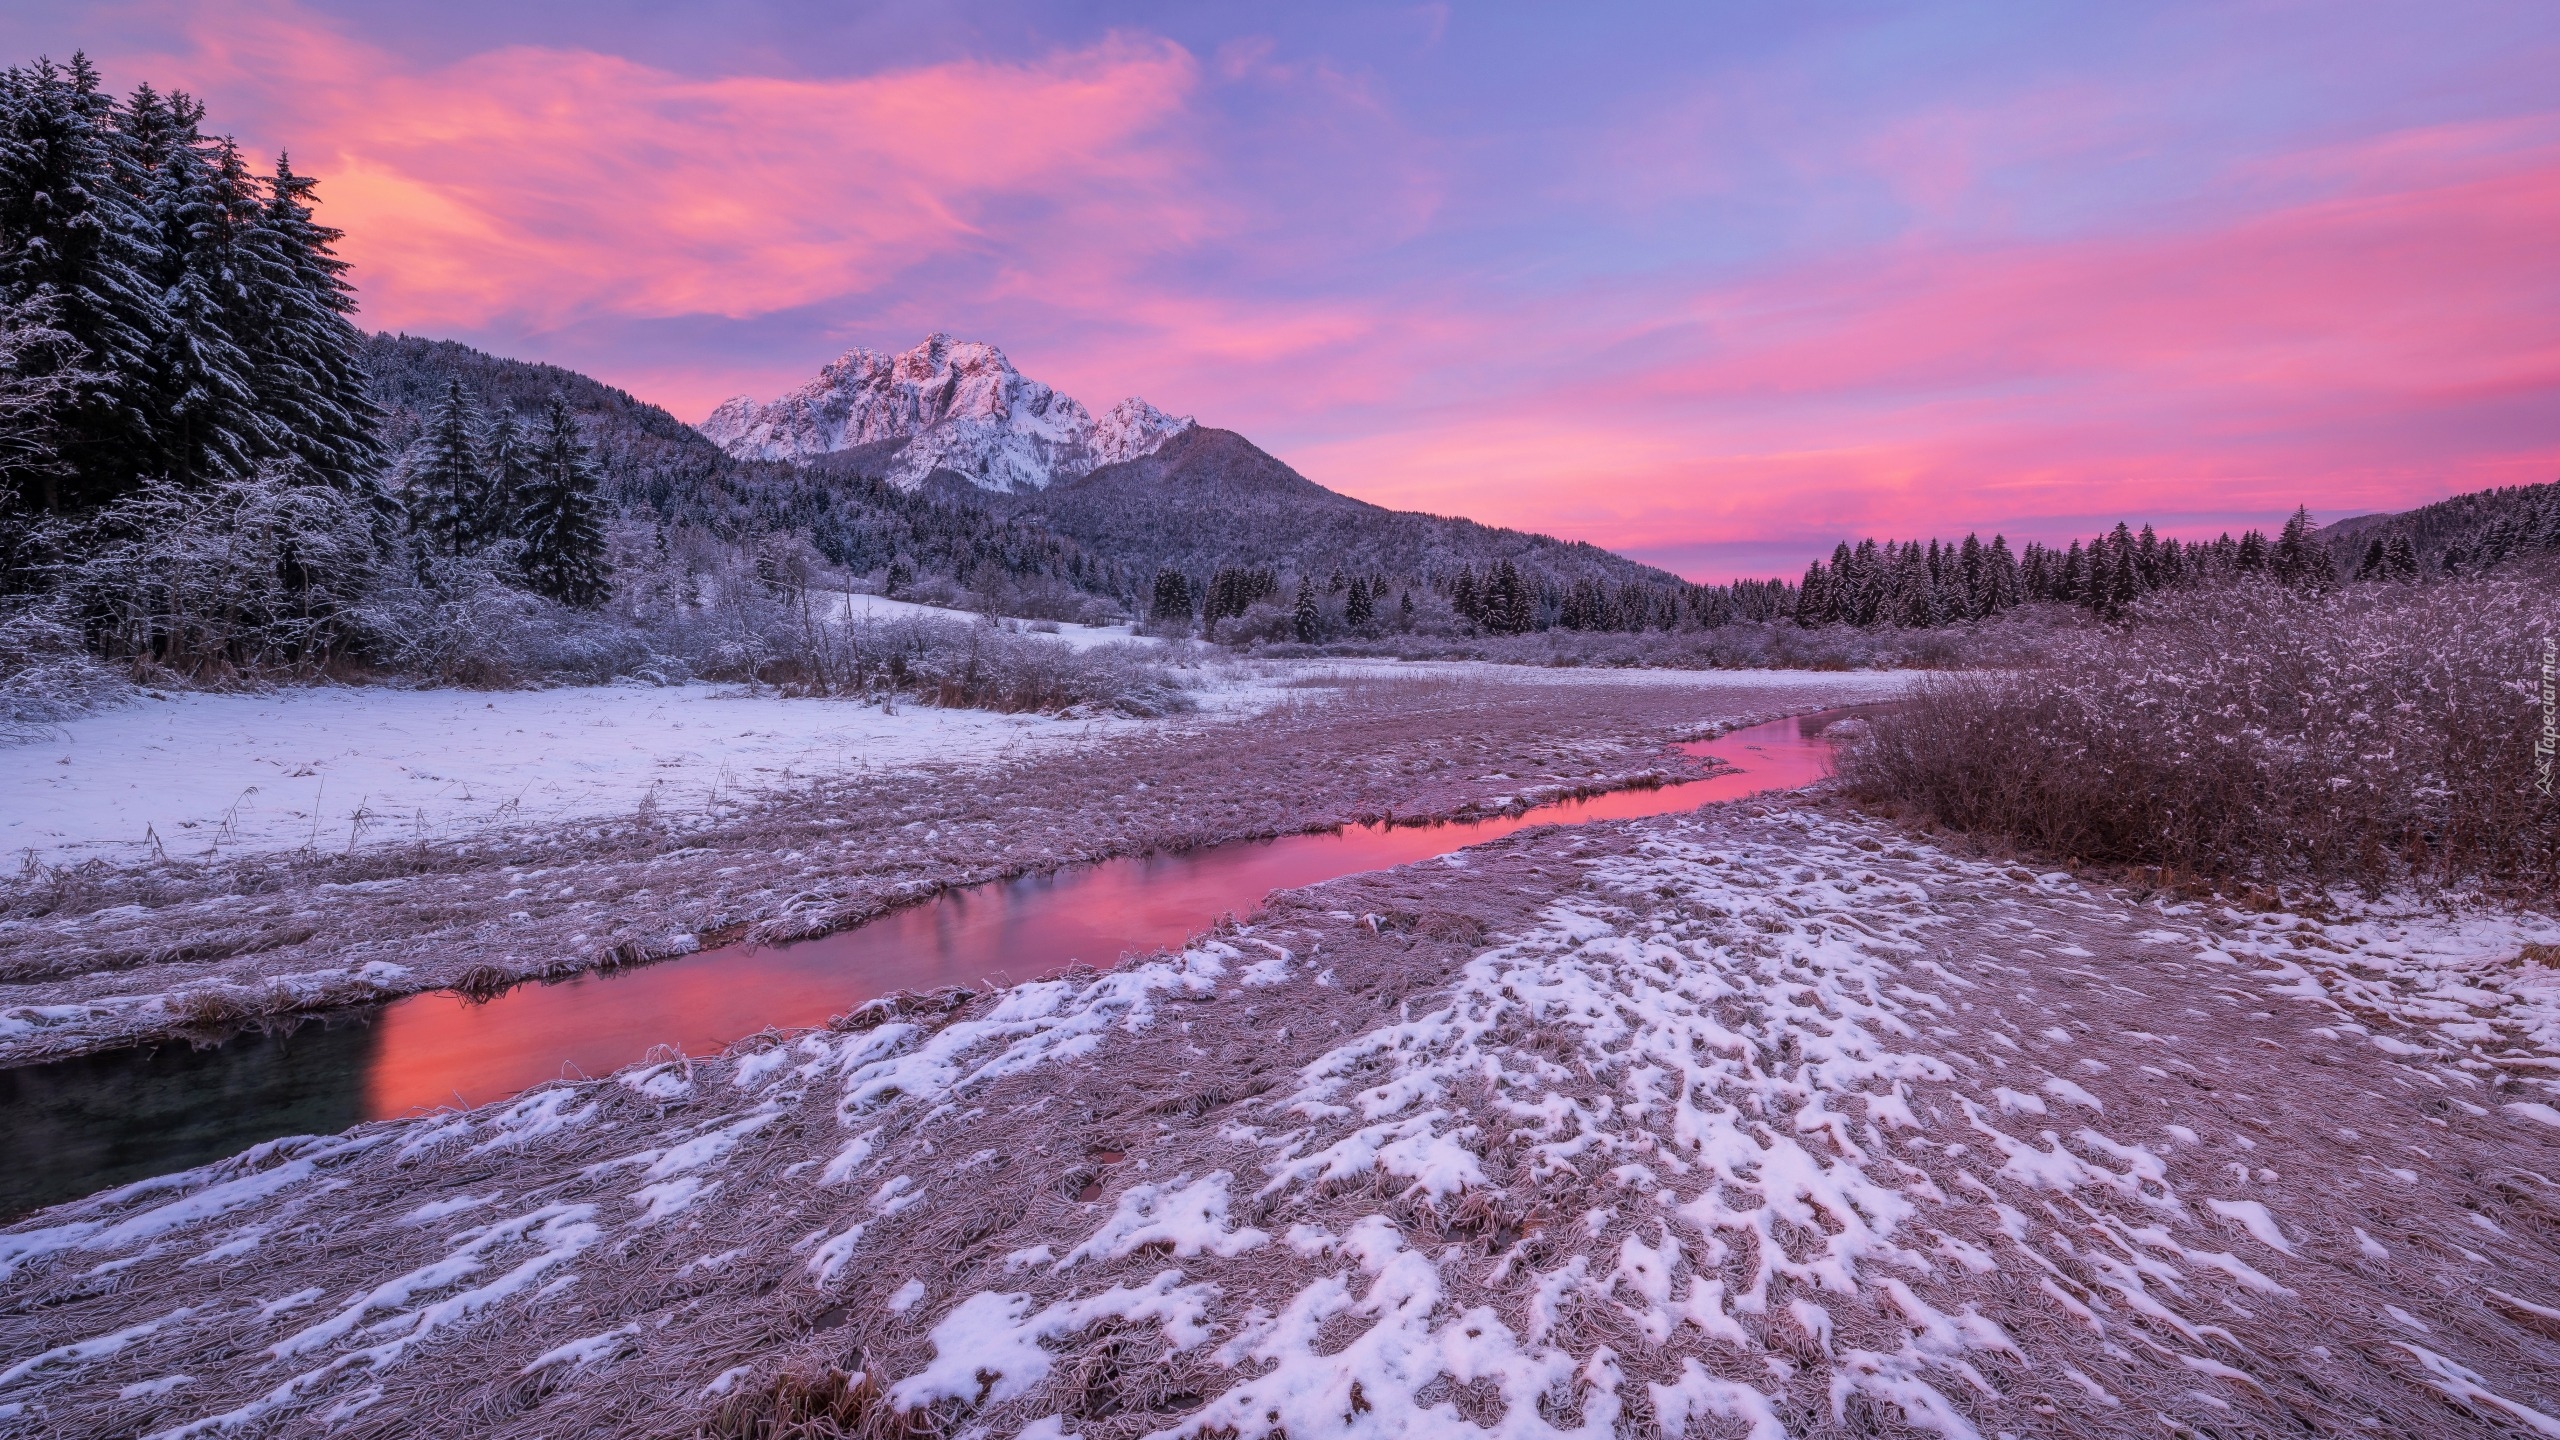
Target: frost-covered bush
[
  {"x": 968, "y": 665},
  {"x": 2373, "y": 734},
  {"x": 262, "y": 575},
  {"x": 463, "y": 623},
  {"x": 46, "y": 674},
  {"x": 1265, "y": 622}
]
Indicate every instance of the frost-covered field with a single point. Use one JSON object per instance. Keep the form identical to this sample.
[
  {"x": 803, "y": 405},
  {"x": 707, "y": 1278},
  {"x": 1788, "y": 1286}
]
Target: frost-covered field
[
  {"x": 1763, "y": 1122},
  {"x": 331, "y": 767},
  {"x": 93, "y": 955},
  {"x": 328, "y": 767}
]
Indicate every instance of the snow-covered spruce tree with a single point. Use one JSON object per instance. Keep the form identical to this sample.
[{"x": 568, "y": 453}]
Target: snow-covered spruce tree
[
  {"x": 1308, "y": 619},
  {"x": 559, "y": 521},
  {"x": 200, "y": 205},
  {"x": 1358, "y": 609},
  {"x": 302, "y": 347},
  {"x": 447, "y": 482},
  {"x": 73, "y": 240},
  {"x": 2298, "y": 559},
  {"x": 506, "y": 472}
]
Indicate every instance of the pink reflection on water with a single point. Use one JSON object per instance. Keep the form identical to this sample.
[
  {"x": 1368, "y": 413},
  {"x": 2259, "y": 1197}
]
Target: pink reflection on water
[{"x": 436, "y": 1049}]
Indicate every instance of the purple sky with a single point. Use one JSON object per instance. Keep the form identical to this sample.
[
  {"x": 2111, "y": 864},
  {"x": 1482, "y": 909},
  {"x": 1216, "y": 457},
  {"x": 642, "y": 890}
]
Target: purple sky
[{"x": 1713, "y": 284}]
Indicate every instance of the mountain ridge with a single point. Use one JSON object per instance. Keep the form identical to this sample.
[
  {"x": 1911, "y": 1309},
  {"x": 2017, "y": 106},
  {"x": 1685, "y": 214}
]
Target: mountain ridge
[{"x": 956, "y": 406}]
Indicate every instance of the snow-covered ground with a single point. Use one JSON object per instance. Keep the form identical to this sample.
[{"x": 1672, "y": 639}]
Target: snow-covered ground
[
  {"x": 329, "y": 767},
  {"x": 294, "y": 767},
  {"x": 1078, "y": 637},
  {"x": 1747, "y": 1122}
]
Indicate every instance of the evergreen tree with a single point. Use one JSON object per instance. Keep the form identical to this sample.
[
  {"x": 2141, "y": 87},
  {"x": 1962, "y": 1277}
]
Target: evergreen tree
[
  {"x": 2125, "y": 586},
  {"x": 1812, "y": 596},
  {"x": 2371, "y": 567},
  {"x": 1508, "y": 606},
  {"x": 2005, "y": 587},
  {"x": 446, "y": 483},
  {"x": 1171, "y": 599},
  {"x": 1973, "y": 578},
  {"x": 2400, "y": 558},
  {"x": 507, "y": 459},
  {"x": 2293, "y": 563},
  {"x": 198, "y": 200},
  {"x": 1310, "y": 621},
  {"x": 303, "y": 356},
  {"x": 561, "y": 521},
  {"x": 73, "y": 242},
  {"x": 1357, "y": 608}
]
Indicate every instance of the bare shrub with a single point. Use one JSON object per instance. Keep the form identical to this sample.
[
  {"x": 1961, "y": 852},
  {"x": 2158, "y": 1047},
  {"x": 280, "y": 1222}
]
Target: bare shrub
[{"x": 2373, "y": 734}]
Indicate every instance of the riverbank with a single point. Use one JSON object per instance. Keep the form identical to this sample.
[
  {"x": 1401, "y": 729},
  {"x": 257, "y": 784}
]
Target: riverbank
[
  {"x": 1771, "y": 1118},
  {"x": 97, "y": 956}
]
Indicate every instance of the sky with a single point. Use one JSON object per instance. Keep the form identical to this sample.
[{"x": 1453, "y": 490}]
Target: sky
[{"x": 1713, "y": 284}]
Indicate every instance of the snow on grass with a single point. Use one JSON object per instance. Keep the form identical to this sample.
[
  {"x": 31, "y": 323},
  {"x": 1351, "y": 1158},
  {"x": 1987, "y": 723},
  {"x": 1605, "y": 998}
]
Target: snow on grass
[
  {"x": 1066, "y": 632},
  {"x": 1730, "y": 1077},
  {"x": 2448, "y": 981},
  {"x": 1703, "y": 1100},
  {"x": 333, "y": 766}
]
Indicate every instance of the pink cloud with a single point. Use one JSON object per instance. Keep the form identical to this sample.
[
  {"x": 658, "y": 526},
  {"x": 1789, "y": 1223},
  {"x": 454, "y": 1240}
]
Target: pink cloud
[
  {"x": 2338, "y": 350},
  {"x": 544, "y": 185}
]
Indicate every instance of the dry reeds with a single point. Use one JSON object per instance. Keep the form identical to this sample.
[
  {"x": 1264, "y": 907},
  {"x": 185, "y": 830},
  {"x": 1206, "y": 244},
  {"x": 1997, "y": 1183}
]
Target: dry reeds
[{"x": 2373, "y": 736}]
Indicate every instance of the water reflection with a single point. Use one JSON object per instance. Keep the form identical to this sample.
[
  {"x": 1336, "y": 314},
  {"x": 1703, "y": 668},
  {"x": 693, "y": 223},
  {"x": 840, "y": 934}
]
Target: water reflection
[
  {"x": 78, "y": 1125},
  {"x": 84, "y": 1124}
]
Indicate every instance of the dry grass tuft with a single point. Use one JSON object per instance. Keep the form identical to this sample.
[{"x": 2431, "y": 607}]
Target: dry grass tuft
[{"x": 821, "y": 1403}]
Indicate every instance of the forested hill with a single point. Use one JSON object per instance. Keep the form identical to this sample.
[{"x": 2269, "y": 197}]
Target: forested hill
[
  {"x": 656, "y": 466},
  {"x": 1211, "y": 498},
  {"x": 2459, "y": 533}
]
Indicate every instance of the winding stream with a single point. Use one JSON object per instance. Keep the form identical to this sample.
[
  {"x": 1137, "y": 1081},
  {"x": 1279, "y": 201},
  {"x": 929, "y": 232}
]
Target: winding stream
[{"x": 79, "y": 1125}]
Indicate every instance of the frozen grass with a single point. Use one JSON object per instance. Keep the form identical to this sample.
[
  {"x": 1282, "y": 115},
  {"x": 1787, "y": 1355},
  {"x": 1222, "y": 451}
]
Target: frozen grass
[
  {"x": 95, "y": 954},
  {"x": 2375, "y": 735},
  {"x": 860, "y": 607},
  {"x": 1764, "y": 1122}
]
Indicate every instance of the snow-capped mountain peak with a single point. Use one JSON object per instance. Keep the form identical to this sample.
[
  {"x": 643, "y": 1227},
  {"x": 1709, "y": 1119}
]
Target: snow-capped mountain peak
[{"x": 956, "y": 405}]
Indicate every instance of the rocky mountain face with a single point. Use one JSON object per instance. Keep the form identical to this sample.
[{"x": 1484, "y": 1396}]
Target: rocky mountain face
[{"x": 946, "y": 406}]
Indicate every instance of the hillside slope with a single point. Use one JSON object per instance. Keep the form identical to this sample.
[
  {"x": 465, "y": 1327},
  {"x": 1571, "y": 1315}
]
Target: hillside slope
[
  {"x": 2508, "y": 520},
  {"x": 1211, "y": 497}
]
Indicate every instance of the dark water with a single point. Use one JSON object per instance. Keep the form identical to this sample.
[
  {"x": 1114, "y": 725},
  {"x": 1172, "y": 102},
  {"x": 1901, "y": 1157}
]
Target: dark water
[{"x": 76, "y": 1126}]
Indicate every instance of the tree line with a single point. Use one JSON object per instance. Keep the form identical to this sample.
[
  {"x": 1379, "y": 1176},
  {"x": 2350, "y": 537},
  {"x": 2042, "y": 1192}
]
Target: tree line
[{"x": 1899, "y": 584}]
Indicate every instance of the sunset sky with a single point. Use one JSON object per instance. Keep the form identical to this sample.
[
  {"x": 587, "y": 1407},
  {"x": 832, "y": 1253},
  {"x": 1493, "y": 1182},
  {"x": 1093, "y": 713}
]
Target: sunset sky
[{"x": 1711, "y": 283}]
